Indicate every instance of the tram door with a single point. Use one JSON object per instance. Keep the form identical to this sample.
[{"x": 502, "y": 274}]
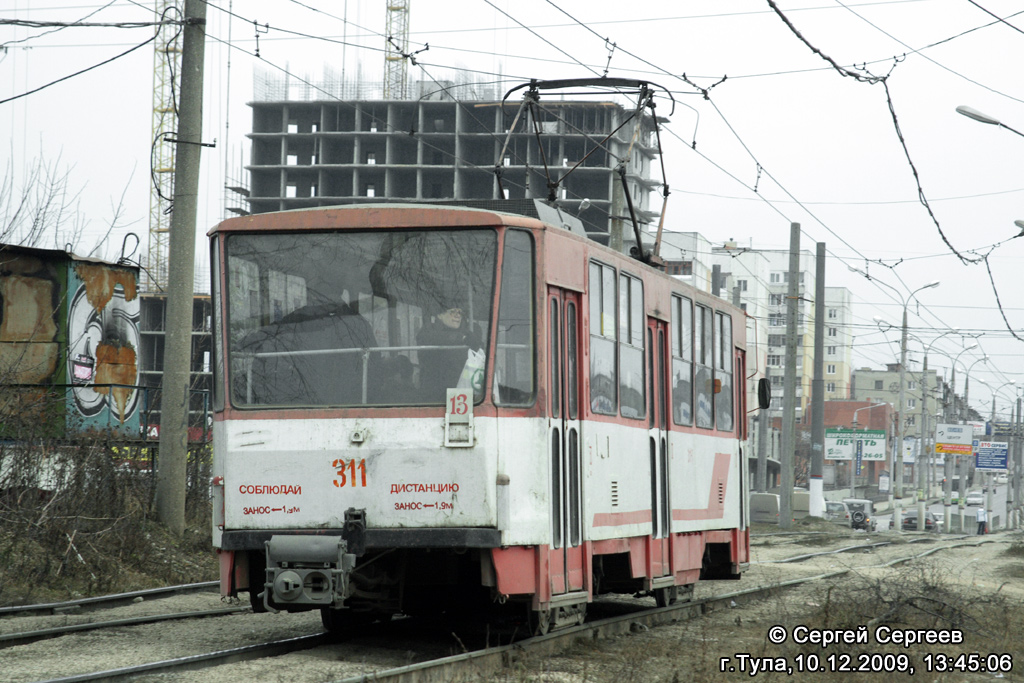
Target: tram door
[
  {"x": 567, "y": 558},
  {"x": 657, "y": 425}
]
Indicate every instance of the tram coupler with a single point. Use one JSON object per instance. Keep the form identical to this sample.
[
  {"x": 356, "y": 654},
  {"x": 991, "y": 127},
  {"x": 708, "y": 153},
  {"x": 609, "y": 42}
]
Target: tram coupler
[{"x": 304, "y": 572}]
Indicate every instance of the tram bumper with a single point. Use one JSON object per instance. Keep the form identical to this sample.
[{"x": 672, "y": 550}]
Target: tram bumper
[{"x": 305, "y": 572}]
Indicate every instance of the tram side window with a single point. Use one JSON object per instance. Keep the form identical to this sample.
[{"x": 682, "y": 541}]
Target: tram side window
[
  {"x": 602, "y": 339},
  {"x": 631, "y": 347},
  {"x": 703, "y": 377},
  {"x": 682, "y": 360},
  {"x": 723, "y": 371},
  {"x": 514, "y": 351}
]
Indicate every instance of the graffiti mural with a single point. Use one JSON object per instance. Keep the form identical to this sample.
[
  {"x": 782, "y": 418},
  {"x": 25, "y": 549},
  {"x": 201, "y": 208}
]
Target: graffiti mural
[{"x": 103, "y": 342}]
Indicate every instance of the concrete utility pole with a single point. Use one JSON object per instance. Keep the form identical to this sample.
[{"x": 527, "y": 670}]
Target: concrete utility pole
[
  {"x": 897, "y": 513},
  {"x": 789, "y": 382},
  {"x": 170, "y": 483},
  {"x": 818, "y": 390},
  {"x": 923, "y": 454},
  {"x": 1017, "y": 467}
]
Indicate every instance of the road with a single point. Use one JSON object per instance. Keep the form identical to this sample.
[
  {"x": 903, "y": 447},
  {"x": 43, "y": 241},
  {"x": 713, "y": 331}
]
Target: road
[{"x": 997, "y": 509}]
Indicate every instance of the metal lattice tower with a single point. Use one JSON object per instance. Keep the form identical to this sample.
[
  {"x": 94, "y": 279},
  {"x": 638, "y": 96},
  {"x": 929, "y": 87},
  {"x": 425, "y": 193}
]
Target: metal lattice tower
[
  {"x": 166, "y": 77},
  {"x": 397, "y": 47}
]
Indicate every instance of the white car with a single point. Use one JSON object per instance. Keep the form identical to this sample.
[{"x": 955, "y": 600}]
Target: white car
[
  {"x": 974, "y": 499},
  {"x": 1002, "y": 478}
]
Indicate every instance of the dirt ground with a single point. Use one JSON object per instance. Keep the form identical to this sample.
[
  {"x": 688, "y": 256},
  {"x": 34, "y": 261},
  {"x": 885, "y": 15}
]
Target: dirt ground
[{"x": 974, "y": 590}]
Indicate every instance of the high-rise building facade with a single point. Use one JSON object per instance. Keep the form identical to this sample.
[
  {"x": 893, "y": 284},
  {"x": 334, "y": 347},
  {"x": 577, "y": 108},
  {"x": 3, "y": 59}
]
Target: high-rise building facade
[{"x": 330, "y": 152}]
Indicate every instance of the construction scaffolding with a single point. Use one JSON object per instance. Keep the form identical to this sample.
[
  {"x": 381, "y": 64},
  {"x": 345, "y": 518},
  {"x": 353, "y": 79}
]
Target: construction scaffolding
[{"x": 166, "y": 70}]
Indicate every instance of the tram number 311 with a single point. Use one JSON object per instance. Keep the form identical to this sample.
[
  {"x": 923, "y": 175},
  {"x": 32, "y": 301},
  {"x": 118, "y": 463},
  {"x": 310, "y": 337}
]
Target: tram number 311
[{"x": 346, "y": 472}]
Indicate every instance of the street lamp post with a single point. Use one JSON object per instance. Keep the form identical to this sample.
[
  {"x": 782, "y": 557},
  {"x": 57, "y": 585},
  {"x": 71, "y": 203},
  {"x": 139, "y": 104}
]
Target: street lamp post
[
  {"x": 927, "y": 478},
  {"x": 949, "y": 465},
  {"x": 903, "y": 401},
  {"x": 901, "y": 426},
  {"x": 964, "y": 466},
  {"x": 988, "y": 475}
]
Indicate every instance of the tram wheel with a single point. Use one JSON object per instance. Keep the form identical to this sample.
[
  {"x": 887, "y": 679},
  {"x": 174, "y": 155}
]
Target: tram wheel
[
  {"x": 540, "y": 621},
  {"x": 344, "y": 622},
  {"x": 664, "y": 597}
]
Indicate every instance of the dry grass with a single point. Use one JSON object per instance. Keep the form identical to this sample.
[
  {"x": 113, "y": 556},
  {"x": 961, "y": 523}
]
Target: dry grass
[
  {"x": 923, "y": 595},
  {"x": 76, "y": 521}
]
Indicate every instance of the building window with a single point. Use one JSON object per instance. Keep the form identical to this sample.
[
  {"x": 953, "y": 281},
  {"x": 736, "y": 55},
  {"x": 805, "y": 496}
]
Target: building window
[
  {"x": 775, "y": 299},
  {"x": 830, "y": 369},
  {"x": 911, "y": 385},
  {"x": 911, "y": 403},
  {"x": 878, "y": 385},
  {"x": 742, "y": 285},
  {"x": 774, "y": 360},
  {"x": 371, "y": 191},
  {"x": 830, "y": 387},
  {"x": 776, "y": 320},
  {"x": 831, "y": 350},
  {"x": 833, "y": 332},
  {"x": 833, "y": 313},
  {"x": 776, "y": 277},
  {"x": 910, "y": 420},
  {"x": 679, "y": 267},
  {"x": 371, "y": 158},
  {"x": 777, "y": 380}
]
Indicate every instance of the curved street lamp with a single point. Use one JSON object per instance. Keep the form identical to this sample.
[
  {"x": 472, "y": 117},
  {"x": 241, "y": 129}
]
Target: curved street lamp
[
  {"x": 902, "y": 424},
  {"x": 926, "y": 478},
  {"x": 973, "y": 113},
  {"x": 996, "y": 390},
  {"x": 949, "y": 466}
]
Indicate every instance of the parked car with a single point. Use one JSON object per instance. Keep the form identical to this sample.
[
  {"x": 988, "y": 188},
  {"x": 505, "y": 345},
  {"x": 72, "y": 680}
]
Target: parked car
[
  {"x": 1002, "y": 478},
  {"x": 974, "y": 499},
  {"x": 862, "y": 513},
  {"x": 838, "y": 512},
  {"x": 910, "y": 521}
]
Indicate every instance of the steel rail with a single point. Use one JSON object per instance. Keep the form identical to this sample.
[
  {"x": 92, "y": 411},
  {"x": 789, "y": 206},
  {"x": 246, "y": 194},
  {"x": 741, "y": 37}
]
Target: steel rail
[
  {"x": 25, "y": 637},
  {"x": 100, "y": 601}
]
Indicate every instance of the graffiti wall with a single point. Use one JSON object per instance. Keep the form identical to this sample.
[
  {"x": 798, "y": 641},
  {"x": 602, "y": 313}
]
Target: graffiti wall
[{"x": 103, "y": 342}]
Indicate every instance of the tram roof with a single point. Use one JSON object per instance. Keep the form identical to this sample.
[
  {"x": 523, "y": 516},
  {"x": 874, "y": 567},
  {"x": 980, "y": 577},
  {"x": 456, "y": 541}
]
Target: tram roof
[{"x": 383, "y": 215}]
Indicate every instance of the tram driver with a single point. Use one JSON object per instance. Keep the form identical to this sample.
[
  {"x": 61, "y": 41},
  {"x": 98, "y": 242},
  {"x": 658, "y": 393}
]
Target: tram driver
[{"x": 441, "y": 368}]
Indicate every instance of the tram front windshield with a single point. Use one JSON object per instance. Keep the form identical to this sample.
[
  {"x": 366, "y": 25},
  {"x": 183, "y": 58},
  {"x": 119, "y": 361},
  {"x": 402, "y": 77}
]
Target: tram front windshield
[{"x": 391, "y": 318}]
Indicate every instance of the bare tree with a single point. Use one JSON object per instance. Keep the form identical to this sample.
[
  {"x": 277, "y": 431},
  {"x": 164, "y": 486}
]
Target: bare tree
[{"x": 40, "y": 208}]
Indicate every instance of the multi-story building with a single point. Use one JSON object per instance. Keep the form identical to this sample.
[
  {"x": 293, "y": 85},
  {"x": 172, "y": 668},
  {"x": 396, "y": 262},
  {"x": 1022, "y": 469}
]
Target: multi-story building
[
  {"x": 777, "y": 309},
  {"x": 328, "y": 152},
  {"x": 837, "y": 363},
  {"x": 924, "y": 394}
]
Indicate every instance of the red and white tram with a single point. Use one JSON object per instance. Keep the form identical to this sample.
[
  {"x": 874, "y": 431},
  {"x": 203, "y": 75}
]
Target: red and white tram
[{"x": 420, "y": 406}]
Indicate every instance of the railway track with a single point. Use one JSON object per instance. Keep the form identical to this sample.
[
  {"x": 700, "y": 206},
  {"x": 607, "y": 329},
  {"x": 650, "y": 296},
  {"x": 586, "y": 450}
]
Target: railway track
[
  {"x": 107, "y": 601},
  {"x": 104, "y": 602},
  {"x": 492, "y": 659}
]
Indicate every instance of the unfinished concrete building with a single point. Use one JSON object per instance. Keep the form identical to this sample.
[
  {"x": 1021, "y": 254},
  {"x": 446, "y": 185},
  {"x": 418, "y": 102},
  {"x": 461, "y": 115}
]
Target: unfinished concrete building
[{"x": 437, "y": 149}]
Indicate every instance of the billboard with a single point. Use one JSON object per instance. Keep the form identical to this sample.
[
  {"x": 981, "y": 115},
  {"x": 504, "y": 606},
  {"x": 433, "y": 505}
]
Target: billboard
[
  {"x": 841, "y": 444},
  {"x": 992, "y": 456},
  {"x": 955, "y": 439}
]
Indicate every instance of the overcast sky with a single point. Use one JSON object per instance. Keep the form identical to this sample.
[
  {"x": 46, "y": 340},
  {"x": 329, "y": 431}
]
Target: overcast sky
[{"x": 840, "y": 120}]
